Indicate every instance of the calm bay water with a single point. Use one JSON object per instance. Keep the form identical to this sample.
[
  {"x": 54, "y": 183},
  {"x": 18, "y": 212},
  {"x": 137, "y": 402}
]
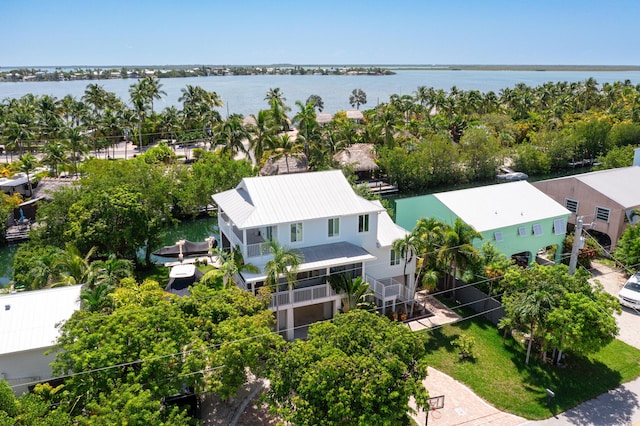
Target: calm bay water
[{"x": 245, "y": 94}]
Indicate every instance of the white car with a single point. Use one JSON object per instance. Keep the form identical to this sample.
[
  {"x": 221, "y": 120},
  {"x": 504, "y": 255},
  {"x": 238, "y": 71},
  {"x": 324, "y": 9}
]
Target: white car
[{"x": 629, "y": 296}]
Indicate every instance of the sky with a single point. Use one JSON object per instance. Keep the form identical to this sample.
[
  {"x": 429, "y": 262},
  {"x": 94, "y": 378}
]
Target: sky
[{"x": 302, "y": 32}]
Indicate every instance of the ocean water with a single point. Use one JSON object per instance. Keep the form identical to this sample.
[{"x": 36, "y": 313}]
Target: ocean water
[{"x": 245, "y": 94}]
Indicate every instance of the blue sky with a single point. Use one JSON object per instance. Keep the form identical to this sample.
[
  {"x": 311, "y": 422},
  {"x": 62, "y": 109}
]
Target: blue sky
[{"x": 244, "y": 32}]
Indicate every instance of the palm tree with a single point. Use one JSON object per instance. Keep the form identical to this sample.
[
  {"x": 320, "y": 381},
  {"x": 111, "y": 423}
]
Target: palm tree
[
  {"x": 76, "y": 143},
  {"x": 231, "y": 135},
  {"x": 358, "y": 97},
  {"x": 97, "y": 299},
  {"x": 261, "y": 130},
  {"x": 140, "y": 105},
  {"x": 73, "y": 268},
  {"x": 429, "y": 233},
  {"x": 306, "y": 121},
  {"x": 285, "y": 146},
  {"x": 275, "y": 95},
  {"x": 283, "y": 264},
  {"x": 354, "y": 292},
  {"x": 28, "y": 163},
  {"x": 109, "y": 272},
  {"x": 153, "y": 89},
  {"x": 458, "y": 251},
  {"x": 407, "y": 247},
  {"x": 231, "y": 262}
]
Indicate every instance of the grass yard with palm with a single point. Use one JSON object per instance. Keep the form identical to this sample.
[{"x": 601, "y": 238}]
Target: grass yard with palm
[{"x": 499, "y": 375}]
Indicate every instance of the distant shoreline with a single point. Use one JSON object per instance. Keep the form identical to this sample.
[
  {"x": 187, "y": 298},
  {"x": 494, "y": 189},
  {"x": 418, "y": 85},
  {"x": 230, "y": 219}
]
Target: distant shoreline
[
  {"x": 440, "y": 67},
  {"x": 516, "y": 67}
]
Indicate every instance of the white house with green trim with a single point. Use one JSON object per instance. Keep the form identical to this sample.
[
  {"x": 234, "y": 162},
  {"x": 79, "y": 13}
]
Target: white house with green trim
[
  {"x": 517, "y": 218},
  {"x": 335, "y": 230}
]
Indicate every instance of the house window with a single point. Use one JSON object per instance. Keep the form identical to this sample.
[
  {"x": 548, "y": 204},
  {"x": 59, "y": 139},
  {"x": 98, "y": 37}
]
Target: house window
[
  {"x": 559, "y": 227},
  {"x": 537, "y": 229},
  {"x": 498, "y": 236},
  {"x": 522, "y": 231},
  {"x": 602, "y": 214},
  {"x": 296, "y": 232},
  {"x": 334, "y": 227},
  {"x": 269, "y": 233},
  {"x": 571, "y": 205},
  {"x": 363, "y": 223},
  {"x": 395, "y": 258}
]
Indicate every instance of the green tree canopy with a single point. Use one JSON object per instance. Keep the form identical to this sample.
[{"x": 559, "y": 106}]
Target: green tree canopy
[{"x": 359, "y": 369}]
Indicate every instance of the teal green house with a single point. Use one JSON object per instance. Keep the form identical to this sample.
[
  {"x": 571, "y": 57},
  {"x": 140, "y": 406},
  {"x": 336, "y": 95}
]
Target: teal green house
[{"x": 517, "y": 218}]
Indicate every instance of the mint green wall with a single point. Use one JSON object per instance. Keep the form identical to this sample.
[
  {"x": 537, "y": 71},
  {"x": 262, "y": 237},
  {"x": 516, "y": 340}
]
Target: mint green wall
[{"x": 409, "y": 210}]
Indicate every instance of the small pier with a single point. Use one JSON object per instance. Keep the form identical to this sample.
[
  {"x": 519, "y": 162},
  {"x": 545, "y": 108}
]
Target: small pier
[
  {"x": 17, "y": 233},
  {"x": 380, "y": 187}
]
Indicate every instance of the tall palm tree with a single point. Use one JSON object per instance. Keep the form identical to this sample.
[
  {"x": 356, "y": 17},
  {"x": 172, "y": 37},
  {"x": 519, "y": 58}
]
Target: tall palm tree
[
  {"x": 307, "y": 123},
  {"x": 285, "y": 146},
  {"x": 28, "y": 163},
  {"x": 275, "y": 95},
  {"x": 232, "y": 134},
  {"x": 283, "y": 265},
  {"x": 358, "y": 97},
  {"x": 457, "y": 250},
  {"x": 76, "y": 143},
  {"x": 261, "y": 130},
  {"x": 406, "y": 248},
  {"x": 54, "y": 156},
  {"x": 140, "y": 105}
]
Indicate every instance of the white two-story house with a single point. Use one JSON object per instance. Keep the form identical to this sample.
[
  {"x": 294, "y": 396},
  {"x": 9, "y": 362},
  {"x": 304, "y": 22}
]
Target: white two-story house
[{"x": 335, "y": 231}]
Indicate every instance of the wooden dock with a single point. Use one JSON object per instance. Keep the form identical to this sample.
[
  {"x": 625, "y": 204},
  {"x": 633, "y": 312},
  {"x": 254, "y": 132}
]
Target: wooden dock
[
  {"x": 17, "y": 233},
  {"x": 380, "y": 187}
]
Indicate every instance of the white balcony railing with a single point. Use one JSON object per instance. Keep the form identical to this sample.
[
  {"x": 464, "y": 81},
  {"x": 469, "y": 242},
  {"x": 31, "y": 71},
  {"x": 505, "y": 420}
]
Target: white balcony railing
[
  {"x": 302, "y": 295},
  {"x": 386, "y": 289},
  {"x": 257, "y": 250}
]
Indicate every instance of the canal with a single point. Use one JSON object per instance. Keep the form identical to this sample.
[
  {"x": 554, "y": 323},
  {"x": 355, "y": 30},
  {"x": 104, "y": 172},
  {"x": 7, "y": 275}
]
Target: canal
[{"x": 192, "y": 230}]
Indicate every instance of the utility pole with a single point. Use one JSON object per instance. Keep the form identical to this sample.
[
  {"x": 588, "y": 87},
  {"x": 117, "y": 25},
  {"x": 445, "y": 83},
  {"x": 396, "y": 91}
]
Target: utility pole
[{"x": 577, "y": 242}]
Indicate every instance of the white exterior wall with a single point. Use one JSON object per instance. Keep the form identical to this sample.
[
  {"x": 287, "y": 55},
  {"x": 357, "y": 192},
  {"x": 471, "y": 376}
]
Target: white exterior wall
[
  {"x": 25, "y": 367},
  {"x": 315, "y": 233}
]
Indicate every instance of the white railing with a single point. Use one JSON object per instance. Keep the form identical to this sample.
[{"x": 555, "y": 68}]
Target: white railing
[
  {"x": 385, "y": 289},
  {"x": 257, "y": 250},
  {"x": 301, "y": 295}
]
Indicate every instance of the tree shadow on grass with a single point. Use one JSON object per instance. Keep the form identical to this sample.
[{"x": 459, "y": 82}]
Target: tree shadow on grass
[
  {"x": 437, "y": 339},
  {"x": 580, "y": 380}
]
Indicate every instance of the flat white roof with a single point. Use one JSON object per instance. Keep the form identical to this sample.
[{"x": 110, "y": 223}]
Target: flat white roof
[
  {"x": 501, "y": 205},
  {"x": 270, "y": 200},
  {"x": 28, "y": 319}
]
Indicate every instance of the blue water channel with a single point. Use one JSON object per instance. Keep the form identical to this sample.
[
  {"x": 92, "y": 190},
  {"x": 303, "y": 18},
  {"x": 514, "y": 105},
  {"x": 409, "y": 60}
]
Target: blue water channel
[{"x": 192, "y": 230}]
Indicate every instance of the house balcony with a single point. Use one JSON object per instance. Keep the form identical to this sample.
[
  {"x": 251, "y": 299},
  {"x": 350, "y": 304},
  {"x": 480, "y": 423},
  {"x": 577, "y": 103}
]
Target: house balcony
[
  {"x": 387, "y": 289},
  {"x": 303, "y": 296},
  {"x": 252, "y": 242}
]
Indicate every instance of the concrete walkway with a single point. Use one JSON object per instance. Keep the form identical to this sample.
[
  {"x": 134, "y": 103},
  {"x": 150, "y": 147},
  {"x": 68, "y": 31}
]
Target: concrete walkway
[{"x": 461, "y": 405}]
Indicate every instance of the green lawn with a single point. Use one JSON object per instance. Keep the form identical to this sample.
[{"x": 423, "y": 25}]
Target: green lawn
[{"x": 500, "y": 376}]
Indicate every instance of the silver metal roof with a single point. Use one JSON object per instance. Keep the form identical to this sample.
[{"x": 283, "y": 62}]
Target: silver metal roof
[
  {"x": 29, "y": 318},
  {"x": 270, "y": 200},
  {"x": 621, "y": 185}
]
